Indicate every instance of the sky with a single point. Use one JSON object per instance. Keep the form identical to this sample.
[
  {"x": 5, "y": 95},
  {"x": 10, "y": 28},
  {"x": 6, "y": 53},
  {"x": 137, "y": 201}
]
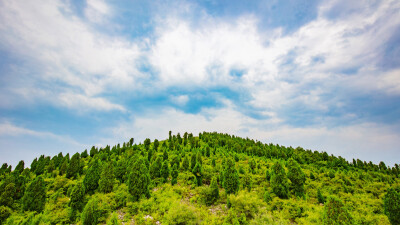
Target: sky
[{"x": 323, "y": 75}]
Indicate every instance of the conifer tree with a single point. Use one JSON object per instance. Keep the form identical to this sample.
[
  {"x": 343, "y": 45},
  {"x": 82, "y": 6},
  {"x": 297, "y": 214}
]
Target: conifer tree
[
  {"x": 64, "y": 167},
  {"x": 185, "y": 163},
  {"x": 391, "y": 205},
  {"x": 91, "y": 180},
  {"x": 155, "y": 168},
  {"x": 165, "y": 171},
  {"x": 230, "y": 177},
  {"x": 174, "y": 175},
  {"x": 198, "y": 173},
  {"x": 199, "y": 159},
  {"x": 252, "y": 165},
  {"x": 91, "y": 213},
  {"x": 74, "y": 166},
  {"x": 77, "y": 197},
  {"x": 297, "y": 177},
  {"x": 7, "y": 194},
  {"x": 192, "y": 161},
  {"x": 156, "y": 144},
  {"x": 139, "y": 180},
  {"x": 106, "y": 181},
  {"x": 279, "y": 182},
  {"x": 214, "y": 189},
  {"x": 20, "y": 167},
  {"x": 165, "y": 155},
  {"x": 35, "y": 196}
]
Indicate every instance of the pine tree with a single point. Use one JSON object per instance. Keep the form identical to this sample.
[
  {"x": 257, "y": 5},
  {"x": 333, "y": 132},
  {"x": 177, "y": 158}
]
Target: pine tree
[
  {"x": 193, "y": 161},
  {"x": 139, "y": 180},
  {"x": 199, "y": 159},
  {"x": 214, "y": 189},
  {"x": 146, "y": 143},
  {"x": 297, "y": 177},
  {"x": 252, "y": 165},
  {"x": 156, "y": 144},
  {"x": 20, "y": 167},
  {"x": 77, "y": 197},
  {"x": 35, "y": 196},
  {"x": 74, "y": 166},
  {"x": 91, "y": 180},
  {"x": 174, "y": 175},
  {"x": 320, "y": 197},
  {"x": 165, "y": 155},
  {"x": 279, "y": 182},
  {"x": 165, "y": 171},
  {"x": 185, "y": 163},
  {"x": 63, "y": 167},
  {"x": 7, "y": 194},
  {"x": 91, "y": 213},
  {"x": 230, "y": 177},
  {"x": 106, "y": 181},
  {"x": 198, "y": 173},
  {"x": 155, "y": 168},
  {"x": 391, "y": 205}
]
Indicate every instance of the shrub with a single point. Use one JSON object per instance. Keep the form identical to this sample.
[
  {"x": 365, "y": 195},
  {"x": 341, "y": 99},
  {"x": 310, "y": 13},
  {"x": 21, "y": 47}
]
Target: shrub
[
  {"x": 335, "y": 212},
  {"x": 181, "y": 213},
  {"x": 245, "y": 203},
  {"x": 392, "y": 205}
]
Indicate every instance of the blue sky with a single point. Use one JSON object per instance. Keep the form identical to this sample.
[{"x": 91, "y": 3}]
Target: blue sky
[{"x": 324, "y": 75}]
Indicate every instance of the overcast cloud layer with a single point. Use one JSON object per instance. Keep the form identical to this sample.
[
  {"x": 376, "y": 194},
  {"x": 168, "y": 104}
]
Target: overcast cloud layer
[{"x": 324, "y": 75}]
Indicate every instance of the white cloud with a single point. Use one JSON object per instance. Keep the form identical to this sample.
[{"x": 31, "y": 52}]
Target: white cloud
[
  {"x": 84, "y": 103},
  {"x": 65, "y": 50},
  {"x": 96, "y": 10},
  {"x": 180, "y": 100}
]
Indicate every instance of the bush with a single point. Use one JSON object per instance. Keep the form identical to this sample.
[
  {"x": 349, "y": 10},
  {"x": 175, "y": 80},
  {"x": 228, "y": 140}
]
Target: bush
[
  {"x": 96, "y": 210},
  {"x": 335, "y": 212},
  {"x": 5, "y": 212},
  {"x": 245, "y": 203},
  {"x": 181, "y": 214},
  {"x": 392, "y": 205}
]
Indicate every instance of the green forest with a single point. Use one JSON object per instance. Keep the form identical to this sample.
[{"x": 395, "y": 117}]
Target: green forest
[{"x": 212, "y": 178}]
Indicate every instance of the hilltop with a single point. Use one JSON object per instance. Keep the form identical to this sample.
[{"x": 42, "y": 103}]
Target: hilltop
[{"x": 211, "y": 178}]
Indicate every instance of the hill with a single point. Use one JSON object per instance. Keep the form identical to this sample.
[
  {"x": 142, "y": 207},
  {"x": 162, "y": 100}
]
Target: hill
[{"x": 209, "y": 179}]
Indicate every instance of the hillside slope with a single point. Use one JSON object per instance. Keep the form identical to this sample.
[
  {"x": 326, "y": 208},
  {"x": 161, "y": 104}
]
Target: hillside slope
[{"x": 209, "y": 179}]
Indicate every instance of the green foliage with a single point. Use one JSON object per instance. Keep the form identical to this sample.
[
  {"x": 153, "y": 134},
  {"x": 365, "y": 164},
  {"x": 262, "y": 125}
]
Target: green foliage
[
  {"x": 139, "y": 180},
  {"x": 165, "y": 171},
  {"x": 20, "y": 167},
  {"x": 174, "y": 175},
  {"x": 392, "y": 205},
  {"x": 279, "y": 181},
  {"x": 230, "y": 177},
  {"x": 155, "y": 168},
  {"x": 198, "y": 173},
  {"x": 106, "y": 181},
  {"x": 185, "y": 163},
  {"x": 297, "y": 177},
  {"x": 91, "y": 180},
  {"x": 91, "y": 213},
  {"x": 181, "y": 213},
  {"x": 7, "y": 194},
  {"x": 335, "y": 212},
  {"x": 193, "y": 161},
  {"x": 5, "y": 212},
  {"x": 247, "y": 181},
  {"x": 214, "y": 189},
  {"x": 74, "y": 166},
  {"x": 35, "y": 196},
  {"x": 77, "y": 197},
  {"x": 245, "y": 203},
  {"x": 320, "y": 197},
  {"x": 113, "y": 220}
]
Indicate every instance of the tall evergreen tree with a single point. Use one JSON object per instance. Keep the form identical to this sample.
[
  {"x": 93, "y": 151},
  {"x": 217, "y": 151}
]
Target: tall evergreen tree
[
  {"x": 35, "y": 196},
  {"x": 230, "y": 177},
  {"x": 391, "y": 205},
  {"x": 139, "y": 180},
  {"x": 279, "y": 182},
  {"x": 185, "y": 163},
  {"x": 174, "y": 175},
  {"x": 297, "y": 177},
  {"x": 247, "y": 181},
  {"x": 20, "y": 167},
  {"x": 155, "y": 168},
  {"x": 156, "y": 143},
  {"x": 74, "y": 166},
  {"x": 165, "y": 171},
  {"x": 198, "y": 173},
  {"x": 214, "y": 189},
  {"x": 64, "y": 167},
  {"x": 107, "y": 177},
  {"x": 193, "y": 161},
  {"x": 91, "y": 180},
  {"x": 7, "y": 194},
  {"x": 77, "y": 197}
]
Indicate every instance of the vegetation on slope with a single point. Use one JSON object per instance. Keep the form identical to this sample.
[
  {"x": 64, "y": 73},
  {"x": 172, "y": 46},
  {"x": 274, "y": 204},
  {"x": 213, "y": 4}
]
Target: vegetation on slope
[{"x": 210, "y": 179}]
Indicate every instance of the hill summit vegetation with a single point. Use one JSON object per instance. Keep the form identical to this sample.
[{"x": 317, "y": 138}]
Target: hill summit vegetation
[{"x": 213, "y": 178}]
